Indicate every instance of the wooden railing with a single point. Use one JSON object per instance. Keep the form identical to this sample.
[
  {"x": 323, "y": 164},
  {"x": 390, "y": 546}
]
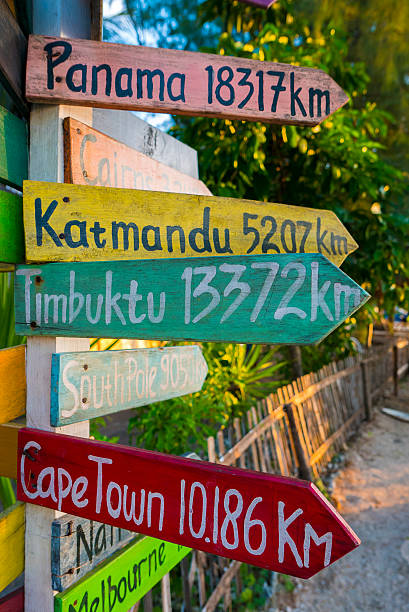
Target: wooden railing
[
  {"x": 298, "y": 430},
  {"x": 295, "y": 431}
]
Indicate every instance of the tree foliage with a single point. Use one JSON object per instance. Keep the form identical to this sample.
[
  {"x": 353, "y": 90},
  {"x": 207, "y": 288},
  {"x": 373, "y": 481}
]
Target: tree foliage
[
  {"x": 378, "y": 36},
  {"x": 238, "y": 375},
  {"x": 339, "y": 165},
  {"x": 344, "y": 164}
]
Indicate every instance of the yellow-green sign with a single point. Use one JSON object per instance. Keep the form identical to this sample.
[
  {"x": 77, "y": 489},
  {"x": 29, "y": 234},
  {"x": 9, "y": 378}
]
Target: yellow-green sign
[{"x": 118, "y": 583}]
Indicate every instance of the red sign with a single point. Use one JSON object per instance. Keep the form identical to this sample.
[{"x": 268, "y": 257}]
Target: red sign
[
  {"x": 14, "y": 602},
  {"x": 278, "y": 523}
]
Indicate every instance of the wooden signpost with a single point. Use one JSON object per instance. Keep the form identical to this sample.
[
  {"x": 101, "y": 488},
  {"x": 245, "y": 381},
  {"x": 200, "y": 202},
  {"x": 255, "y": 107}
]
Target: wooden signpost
[
  {"x": 123, "y": 579},
  {"x": 78, "y": 545},
  {"x": 90, "y": 384},
  {"x": 283, "y": 299},
  {"x": 11, "y": 230},
  {"x": 12, "y": 383},
  {"x": 82, "y": 223},
  {"x": 92, "y": 158},
  {"x": 278, "y": 523},
  {"x": 13, "y": 149},
  {"x": 109, "y": 75},
  {"x": 11, "y": 544},
  {"x": 13, "y": 52}
]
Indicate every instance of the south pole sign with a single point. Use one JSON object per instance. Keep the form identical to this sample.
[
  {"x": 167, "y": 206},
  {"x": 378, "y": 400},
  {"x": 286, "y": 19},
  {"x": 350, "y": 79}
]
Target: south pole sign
[
  {"x": 109, "y": 75},
  {"x": 273, "y": 299},
  {"x": 82, "y": 223},
  {"x": 278, "y": 523},
  {"x": 89, "y": 384}
]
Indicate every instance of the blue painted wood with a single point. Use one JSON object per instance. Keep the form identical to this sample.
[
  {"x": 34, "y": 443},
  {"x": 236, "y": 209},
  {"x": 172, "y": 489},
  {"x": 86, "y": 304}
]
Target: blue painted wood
[
  {"x": 78, "y": 545},
  {"x": 89, "y": 384},
  {"x": 273, "y": 299}
]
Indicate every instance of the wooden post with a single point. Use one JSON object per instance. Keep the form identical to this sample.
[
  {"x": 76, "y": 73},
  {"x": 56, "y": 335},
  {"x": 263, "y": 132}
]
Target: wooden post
[
  {"x": 367, "y": 391},
  {"x": 304, "y": 466},
  {"x": 395, "y": 370},
  {"x": 296, "y": 360},
  {"x": 200, "y": 560},
  {"x": 53, "y": 17},
  {"x": 148, "y": 602},
  {"x": 166, "y": 598},
  {"x": 184, "y": 565},
  {"x": 59, "y": 18}
]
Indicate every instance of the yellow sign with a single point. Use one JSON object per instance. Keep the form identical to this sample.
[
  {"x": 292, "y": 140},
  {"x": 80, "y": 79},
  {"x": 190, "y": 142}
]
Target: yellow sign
[
  {"x": 8, "y": 449},
  {"x": 11, "y": 544},
  {"x": 81, "y": 223},
  {"x": 12, "y": 383}
]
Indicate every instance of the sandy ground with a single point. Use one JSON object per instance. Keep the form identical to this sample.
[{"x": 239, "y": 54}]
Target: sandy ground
[{"x": 372, "y": 492}]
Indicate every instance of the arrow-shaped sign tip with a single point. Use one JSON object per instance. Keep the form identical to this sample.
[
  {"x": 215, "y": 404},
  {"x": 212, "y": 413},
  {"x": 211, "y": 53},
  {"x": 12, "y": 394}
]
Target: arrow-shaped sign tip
[
  {"x": 334, "y": 92},
  {"x": 344, "y": 539}
]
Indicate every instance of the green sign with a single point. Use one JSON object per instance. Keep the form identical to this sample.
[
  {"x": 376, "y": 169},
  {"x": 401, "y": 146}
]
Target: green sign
[
  {"x": 13, "y": 149},
  {"x": 118, "y": 583},
  {"x": 11, "y": 230},
  {"x": 266, "y": 299}
]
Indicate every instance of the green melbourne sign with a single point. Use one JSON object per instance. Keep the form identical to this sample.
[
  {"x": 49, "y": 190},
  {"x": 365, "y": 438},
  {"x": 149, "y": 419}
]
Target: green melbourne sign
[{"x": 118, "y": 583}]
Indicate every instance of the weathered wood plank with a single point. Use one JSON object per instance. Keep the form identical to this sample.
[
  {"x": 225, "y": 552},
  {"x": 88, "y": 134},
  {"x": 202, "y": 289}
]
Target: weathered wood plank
[
  {"x": 46, "y": 163},
  {"x": 180, "y": 82},
  {"x": 124, "y": 578},
  {"x": 14, "y": 602},
  {"x": 13, "y": 149},
  {"x": 222, "y": 586},
  {"x": 141, "y": 136},
  {"x": 11, "y": 228},
  {"x": 83, "y": 223},
  {"x": 312, "y": 389},
  {"x": 90, "y": 384},
  {"x": 96, "y": 19},
  {"x": 165, "y": 593},
  {"x": 79, "y": 545},
  {"x": 8, "y": 449},
  {"x": 11, "y": 544},
  {"x": 74, "y": 18},
  {"x": 188, "y": 502},
  {"x": 92, "y": 158},
  {"x": 316, "y": 456},
  {"x": 13, "y": 49},
  {"x": 12, "y": 383},
  {"x": 105, "y": 299}
]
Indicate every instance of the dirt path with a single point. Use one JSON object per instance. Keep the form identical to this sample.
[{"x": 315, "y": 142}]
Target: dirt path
[{"x": 373, "y": 496}]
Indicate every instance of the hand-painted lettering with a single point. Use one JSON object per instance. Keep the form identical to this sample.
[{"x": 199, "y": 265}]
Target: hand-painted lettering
[
  {"x": 271, "y": 521},
  {"x": 225, "y": 296}
]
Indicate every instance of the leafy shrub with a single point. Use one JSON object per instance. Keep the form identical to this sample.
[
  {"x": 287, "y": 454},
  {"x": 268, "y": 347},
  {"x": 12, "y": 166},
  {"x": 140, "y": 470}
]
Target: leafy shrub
[{"x": 238, "y": 375}]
